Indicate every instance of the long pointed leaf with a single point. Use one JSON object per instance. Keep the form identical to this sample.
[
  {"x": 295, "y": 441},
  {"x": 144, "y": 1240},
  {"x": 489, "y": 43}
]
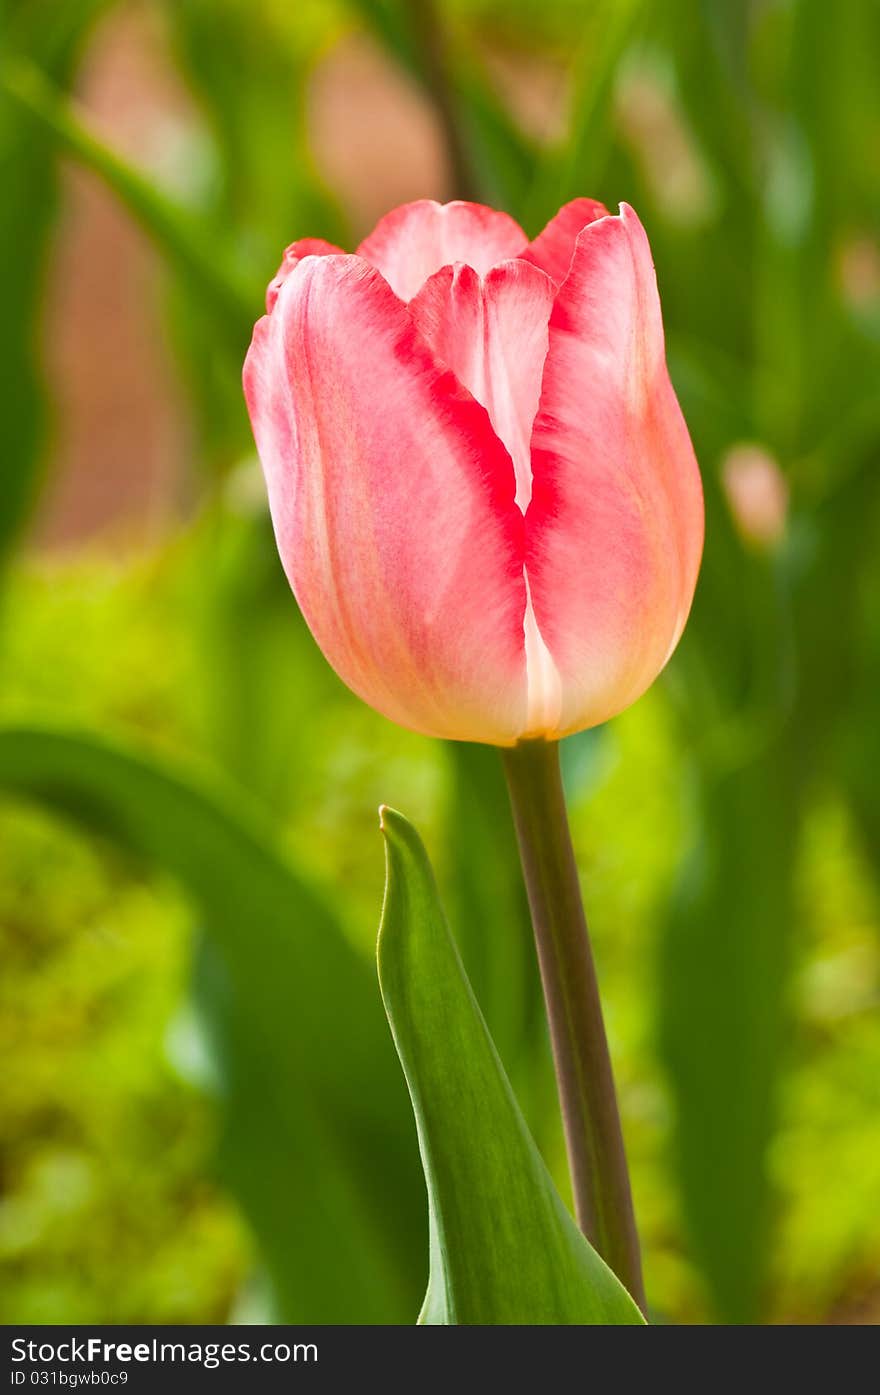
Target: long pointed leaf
[
  {"x": 503, "y": 1247},
  {"x": 27, "y": 211},
  {"x": 192, "y": 247},
  {"x": 317, "y": 1139}
]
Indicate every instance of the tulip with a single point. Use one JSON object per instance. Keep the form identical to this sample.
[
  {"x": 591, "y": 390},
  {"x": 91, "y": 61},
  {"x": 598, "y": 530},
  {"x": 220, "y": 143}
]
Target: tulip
[
  {"x": 483, "y": 490},
  {"x": 487, "y": 504}
]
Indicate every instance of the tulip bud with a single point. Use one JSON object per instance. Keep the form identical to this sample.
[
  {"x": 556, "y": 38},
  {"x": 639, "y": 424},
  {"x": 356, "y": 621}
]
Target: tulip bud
[
  {"x": 757, "y": 493},
  {"x": 483, "y": 490}
]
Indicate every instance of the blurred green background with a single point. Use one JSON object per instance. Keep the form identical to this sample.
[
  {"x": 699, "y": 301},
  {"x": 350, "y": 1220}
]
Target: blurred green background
[{"x": 202, "y": 1116}]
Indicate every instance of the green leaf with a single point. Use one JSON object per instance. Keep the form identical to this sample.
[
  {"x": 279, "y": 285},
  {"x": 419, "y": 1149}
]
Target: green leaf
[
  {"x": 189, "y": 245},
  {"x": 503, "y": 1247},
  {"x": 504, "y": 157},
  {"x": 267, "y": 676},
  {"x": 27, "y": 213},
  {"x": 776, "y": 680},
  {"x": 249, "y": 67},
  {"x": 577, "y": 165},
  {"x": 487, "y": 899},
  {"x": 489, "y": 910},
  {"x": 725, "y": 959},
  {"x": 317, "y": 1140}
]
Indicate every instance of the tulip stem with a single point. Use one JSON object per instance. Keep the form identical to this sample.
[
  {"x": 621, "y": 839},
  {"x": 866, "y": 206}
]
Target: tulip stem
[
  {"x": 594, "y": 1140},
  {"x": 435, "y": 70}
]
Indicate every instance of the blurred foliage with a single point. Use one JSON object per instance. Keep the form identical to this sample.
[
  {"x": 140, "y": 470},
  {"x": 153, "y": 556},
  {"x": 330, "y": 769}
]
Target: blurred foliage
[
  {"x": 300, "y": 1099},
  {"x": 728, "y": 828},
  {"x": 27, "y": 160},
  {"x": 104, "y": 1144}
]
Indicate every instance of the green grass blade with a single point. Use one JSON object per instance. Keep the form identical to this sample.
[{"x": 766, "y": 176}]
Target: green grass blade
[
  {"x": 723, "y": 973},
  {"x": 187, "y": 244},
  {"x": 27, "y": 214},
  {"x": 577, "y": 165},
  {"x": 249, "y": 68}
]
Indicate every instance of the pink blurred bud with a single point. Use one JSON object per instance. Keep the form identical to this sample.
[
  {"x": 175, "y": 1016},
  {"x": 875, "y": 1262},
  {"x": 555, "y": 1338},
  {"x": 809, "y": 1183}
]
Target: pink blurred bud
[
  {"x": 483, "y": 490},
  {"x": 757, "y": 493}
]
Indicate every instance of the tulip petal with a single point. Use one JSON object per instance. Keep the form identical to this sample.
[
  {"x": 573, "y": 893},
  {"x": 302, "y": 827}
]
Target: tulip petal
[
  {"x": 393, "y": 505},
  {"x": 615, "y": 528},
  {"x": 553, "y": 249},
  {"x": 409, "y": 244},
  {"x": 293, "y": 255},
  {"x": 492, "y": 332}
]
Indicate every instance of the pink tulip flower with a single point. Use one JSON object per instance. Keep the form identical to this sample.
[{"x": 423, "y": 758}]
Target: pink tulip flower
[{"x": 484, "y": 493}]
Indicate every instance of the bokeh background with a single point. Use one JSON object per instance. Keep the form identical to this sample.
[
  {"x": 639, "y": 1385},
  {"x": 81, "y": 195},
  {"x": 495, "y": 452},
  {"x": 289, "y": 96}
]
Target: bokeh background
[{"x": 191, "y": 866}]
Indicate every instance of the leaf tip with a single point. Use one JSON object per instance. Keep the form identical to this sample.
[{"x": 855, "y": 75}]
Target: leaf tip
[{"x": 392, "y": 824}]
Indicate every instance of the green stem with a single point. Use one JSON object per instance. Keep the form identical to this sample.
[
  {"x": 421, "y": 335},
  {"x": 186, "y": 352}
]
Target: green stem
[
  {"x": 435, "y": 71},
  {"x": 600, "y": 1180}
]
